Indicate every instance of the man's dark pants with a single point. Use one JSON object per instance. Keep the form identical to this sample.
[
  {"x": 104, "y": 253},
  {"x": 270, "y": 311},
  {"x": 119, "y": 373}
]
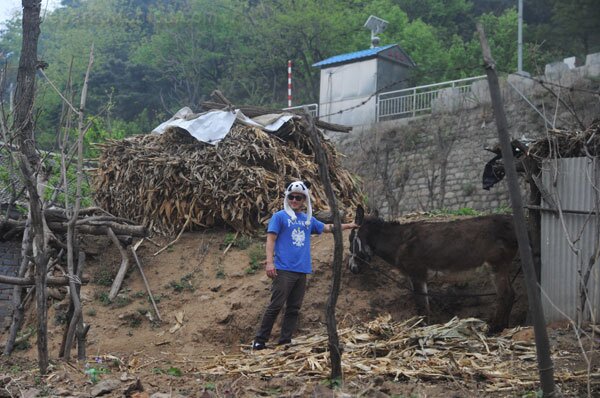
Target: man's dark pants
[{"x": 288, "y": 288}]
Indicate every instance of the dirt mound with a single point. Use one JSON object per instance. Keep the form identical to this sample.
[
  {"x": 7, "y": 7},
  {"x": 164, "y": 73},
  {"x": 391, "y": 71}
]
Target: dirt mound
[{"x": 210, "y": 291}]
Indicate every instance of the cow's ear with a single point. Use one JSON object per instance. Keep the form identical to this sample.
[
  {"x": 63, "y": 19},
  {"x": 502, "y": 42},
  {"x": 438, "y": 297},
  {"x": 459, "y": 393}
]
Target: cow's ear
[
  {"x": 360, "y": 215},
  {"x": 307, "y": 184}
]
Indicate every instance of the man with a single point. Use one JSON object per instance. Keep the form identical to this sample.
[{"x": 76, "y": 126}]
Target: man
[{"x": 288, "y": 261}]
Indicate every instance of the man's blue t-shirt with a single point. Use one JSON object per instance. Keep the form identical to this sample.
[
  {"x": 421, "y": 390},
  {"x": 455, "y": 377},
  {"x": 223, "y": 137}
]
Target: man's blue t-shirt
[{"x": 292, "y": 247}]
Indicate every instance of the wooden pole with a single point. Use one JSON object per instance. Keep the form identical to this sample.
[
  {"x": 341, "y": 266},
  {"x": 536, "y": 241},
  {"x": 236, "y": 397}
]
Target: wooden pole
[
  {"x": 139, "y": 264},
  {"x": 116, "y": 286},
  {"x": 545, "y": 366},
  {"x": 18, "y": 292},
  {"x": 334, "y": 343}
]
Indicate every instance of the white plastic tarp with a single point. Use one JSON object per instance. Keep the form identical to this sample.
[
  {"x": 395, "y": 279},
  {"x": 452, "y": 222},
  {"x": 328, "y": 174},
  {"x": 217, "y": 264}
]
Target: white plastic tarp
[{"x": 211, "y": 127}]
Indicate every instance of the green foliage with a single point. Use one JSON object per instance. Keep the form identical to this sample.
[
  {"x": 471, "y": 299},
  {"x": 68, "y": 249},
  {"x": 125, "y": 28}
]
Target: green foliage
[
  {"x": 173, "y": 371},
  {"x": 103, "y": 298},
  {"x": 61, "y": 318},
  {"x": 184, "y": 283},
  {"x": 533, "y": 394},
  {"x": 506, "y": 209},
  {"x": 210, "y": 386},
  {"x": 22, "y": 345},
  {"x": 91, "y": 312},
  {"x": 122, "y": 300},
  {"x": 99, "y": 132},
  {"x": 103, "y": 277},
  {"x": 256, "y": 256},
  {"x": 463, "y": 211},
  {"x": 153, "y": 57},
  {"x": 238, "y": 242},
  {"x": 95, "y": 371},
  {"x": 56, "y": 184},
  {"x": 332, "y": 383}
]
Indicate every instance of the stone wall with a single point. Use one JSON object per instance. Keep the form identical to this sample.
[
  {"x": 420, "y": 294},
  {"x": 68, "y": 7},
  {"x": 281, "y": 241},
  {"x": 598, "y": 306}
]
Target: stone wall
[
  {"x": 9, "y": 265},
  {"x": 436, "y": 161}
]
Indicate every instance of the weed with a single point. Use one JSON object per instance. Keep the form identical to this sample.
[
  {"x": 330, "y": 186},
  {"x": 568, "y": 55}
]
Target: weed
[
  {"x": 220, "y": 272},
  {"x": 103, "y": 277},
  {"x": 22, "y": 345},
  {"x": 467, "y": 211},
  {"x": 22, "y": 342},
  {"x": 242, "y": 242},
  {"x": 139, "y": 294},
  {"x": 91, "y": 312},
  {"x": 502, "y": 210},
  {"x": 463, "y": 211},
  {"x": 332, "y": 383},
  {"x": 61, "y": 318},
  {"x": 122, "y": 300},
  {"x": 533, "y": 394},
  {"x": 103, "y": 298},
  {"x": 173, "y": 371},
  {"x": 158, "y": 298},
  {"x": 257, "y": 256},
  {"x": 209, "y": 386},
  {"x": 134, "y": 322},
  {"x": 183, "y": 284},
  {"x": 274, "y": 391},
  {"x": 94, "y": 372},
  {"x": 157, "y": 371}
]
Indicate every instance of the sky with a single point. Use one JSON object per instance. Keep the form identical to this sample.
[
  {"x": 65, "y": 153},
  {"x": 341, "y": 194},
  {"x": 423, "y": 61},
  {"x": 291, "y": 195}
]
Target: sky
[{"x": 9, "y": 7}]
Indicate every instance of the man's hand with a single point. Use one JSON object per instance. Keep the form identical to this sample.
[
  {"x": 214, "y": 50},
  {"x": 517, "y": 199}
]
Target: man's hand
[{"x": 271, "y": 271}]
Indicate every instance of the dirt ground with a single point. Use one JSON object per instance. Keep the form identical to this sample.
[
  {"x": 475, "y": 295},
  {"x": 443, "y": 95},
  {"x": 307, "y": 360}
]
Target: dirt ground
[{"x": 211, "y": 295}]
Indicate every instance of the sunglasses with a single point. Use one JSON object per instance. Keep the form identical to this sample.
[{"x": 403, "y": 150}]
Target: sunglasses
[{"x": 297, "y": 198}]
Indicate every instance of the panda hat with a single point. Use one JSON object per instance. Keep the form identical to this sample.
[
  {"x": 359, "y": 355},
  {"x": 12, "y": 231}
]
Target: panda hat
[{"x": 302, "y": 188}]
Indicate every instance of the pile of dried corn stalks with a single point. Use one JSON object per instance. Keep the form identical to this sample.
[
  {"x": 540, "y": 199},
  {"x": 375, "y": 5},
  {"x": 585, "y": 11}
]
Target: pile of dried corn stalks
[
  {"x": 171, "y": 182},
  {"x": 568, "y": 144},
  {"x": 458, "y": 350}
]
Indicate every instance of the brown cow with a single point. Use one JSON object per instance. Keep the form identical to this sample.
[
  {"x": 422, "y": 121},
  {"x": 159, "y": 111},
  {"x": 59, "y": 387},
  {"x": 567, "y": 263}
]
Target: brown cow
[{"x": 418, "y": 247}]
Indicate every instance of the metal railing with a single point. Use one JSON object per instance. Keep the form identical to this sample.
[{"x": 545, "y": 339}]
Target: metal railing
[
  {"x": 414, "y": 101},
  {"x": 313, "y": 109}
]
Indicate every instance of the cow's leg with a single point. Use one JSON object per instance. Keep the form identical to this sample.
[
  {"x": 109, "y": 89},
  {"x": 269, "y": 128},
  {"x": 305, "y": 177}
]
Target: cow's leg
[
  {"x": 505, "y": 296},
  {"x": 419, "y": 286}
]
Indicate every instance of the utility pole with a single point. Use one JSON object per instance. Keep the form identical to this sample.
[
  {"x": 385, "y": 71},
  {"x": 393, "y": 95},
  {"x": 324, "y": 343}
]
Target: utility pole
[
  {"x": 545, "y": 365},
  {"x": 520, "y": 39}
]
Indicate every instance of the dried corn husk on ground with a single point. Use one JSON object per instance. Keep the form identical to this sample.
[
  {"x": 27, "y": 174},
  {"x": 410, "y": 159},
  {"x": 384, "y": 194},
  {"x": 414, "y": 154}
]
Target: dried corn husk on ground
[
  {"x": 458, "y": 350},
  {"x": 171, "y": 181}
]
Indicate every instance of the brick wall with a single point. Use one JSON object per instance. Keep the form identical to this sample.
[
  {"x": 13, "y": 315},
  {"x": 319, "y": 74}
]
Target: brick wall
[{"x": 9, "y": 265}]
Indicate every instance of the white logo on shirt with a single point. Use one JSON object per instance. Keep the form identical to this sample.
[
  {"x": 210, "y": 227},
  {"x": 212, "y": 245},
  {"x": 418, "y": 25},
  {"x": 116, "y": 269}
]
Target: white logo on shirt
[{"x": 298, "y": 237}]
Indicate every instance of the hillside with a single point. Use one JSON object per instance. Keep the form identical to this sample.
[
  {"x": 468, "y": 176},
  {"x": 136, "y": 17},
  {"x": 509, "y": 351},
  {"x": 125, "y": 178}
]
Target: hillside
[{"x": 211, "y": 301}]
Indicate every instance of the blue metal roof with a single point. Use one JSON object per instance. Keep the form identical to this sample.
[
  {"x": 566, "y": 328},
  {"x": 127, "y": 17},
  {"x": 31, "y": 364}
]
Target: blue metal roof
[{"x": 370, "y": 52}]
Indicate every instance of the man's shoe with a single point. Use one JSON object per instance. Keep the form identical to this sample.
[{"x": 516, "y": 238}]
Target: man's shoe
[{"x": 258, "y": 345}]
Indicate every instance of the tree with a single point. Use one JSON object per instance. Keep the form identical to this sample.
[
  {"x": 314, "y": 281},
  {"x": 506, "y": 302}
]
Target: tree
[
  {"x": 23, "y": 128},
  {"x": 576, "y": 26}
]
